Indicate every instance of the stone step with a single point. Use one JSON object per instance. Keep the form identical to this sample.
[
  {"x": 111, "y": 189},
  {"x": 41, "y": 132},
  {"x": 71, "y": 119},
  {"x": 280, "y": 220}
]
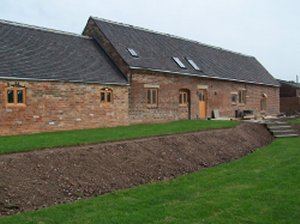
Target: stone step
[
  {"x": 285, "y": 135},
  {"x": 283, "y": 131},
  {"x": 271, "y": 127},
  {"x": 277, "y": 123}
]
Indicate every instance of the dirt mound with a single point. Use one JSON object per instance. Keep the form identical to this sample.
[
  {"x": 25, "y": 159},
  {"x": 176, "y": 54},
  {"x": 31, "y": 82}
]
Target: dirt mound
[{"x": 42, "y": 178}]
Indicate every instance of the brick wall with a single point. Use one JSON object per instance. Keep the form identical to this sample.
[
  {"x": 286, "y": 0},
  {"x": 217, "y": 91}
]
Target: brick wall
[
  {"x": 218, "y": 94},
  {"x": 53, "y": 106},
  {"x": 287, "y": 90},
  {"x": 290, "y": 105}
]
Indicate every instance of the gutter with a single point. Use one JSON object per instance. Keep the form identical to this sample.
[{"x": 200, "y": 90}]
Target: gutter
[{"x": 67, "y": 81}]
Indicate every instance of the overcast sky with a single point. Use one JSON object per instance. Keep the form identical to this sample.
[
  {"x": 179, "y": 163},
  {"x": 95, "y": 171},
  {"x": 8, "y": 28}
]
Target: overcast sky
[{"x": 268, "y": 30}]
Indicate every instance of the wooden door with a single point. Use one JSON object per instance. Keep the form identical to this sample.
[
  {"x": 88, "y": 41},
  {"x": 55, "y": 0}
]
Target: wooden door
[{"x": 202, "y": 103}]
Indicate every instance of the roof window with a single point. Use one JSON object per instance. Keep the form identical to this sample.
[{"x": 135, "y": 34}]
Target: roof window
[
  {"x": 193, "y": 64},
  {"x": 179, "y": 62},
  {"x": 132, "y": 52}
]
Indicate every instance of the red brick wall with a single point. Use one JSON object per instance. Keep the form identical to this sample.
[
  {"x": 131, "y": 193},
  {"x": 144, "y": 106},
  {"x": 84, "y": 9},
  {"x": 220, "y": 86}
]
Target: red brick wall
[
  {"x": 219, "y": 97},
  {"x": 287, "y": 90},
  {"x": 290, "y": 105},
  {"x": 53, "y": 106}
]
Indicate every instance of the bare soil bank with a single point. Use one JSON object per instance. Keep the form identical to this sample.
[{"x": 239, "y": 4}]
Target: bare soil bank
[{"x": 38, "y": 179}]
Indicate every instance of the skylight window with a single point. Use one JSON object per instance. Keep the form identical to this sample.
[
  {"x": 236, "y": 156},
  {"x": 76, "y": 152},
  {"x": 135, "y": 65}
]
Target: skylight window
[
  {"x": 193, "y": 64},
  {"x": 179, "y": 62},
  {"x": 132, "y": 52}
]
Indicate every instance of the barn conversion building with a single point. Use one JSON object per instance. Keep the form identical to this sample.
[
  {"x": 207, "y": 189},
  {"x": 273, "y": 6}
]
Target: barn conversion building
[{"x": 117, "y": 74}]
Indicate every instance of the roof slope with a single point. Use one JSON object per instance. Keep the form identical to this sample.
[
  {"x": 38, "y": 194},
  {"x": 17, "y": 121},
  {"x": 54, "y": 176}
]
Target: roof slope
[
  {"x": 289, "y": 83},
  {"x": 156, "y": 50},
  {"x": 35, "y": 53}
]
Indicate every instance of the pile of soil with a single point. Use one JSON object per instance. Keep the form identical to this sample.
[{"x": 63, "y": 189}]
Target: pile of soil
[{"x": 37, "y": 179}]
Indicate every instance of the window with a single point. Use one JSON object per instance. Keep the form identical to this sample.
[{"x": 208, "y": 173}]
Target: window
[
  {"x": 133, "y": 52},
  {"x": 179, "y": 62},
  {"x": 183, "y": 98},
  {"x": 202, "y": 95},
  {"x": 234, "y": 98},
  {"x": 193, "y": 64},
  {"x": 263, "y": 102},
  {"x": 242, "y": 96},
  {"x": 152, "y": 97},
  {"x": 106, "y": 96},
  {"x": 15, "y": 96}
]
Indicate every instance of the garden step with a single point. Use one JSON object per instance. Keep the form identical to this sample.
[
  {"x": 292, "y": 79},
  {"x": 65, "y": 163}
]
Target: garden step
[
  {"x": 283, "y": 130},
  {"x": 271, "y": 127},
  {"x": 285, "y": 135},
  {"x": 277, "y": 123}
]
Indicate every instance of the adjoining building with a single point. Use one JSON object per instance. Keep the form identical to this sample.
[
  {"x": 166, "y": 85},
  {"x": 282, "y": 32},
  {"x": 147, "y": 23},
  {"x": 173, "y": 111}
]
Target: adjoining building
[
  {"x": 289, "y": 97},
  {"x": 118, "y": 74}
]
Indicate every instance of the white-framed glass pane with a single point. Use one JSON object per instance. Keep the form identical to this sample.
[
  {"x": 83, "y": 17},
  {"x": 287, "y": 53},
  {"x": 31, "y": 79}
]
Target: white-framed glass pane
[
  {"x": 193, "y": 64},
  {"x": 132, "y": 52},
  {"x": 179, "y": 62}
]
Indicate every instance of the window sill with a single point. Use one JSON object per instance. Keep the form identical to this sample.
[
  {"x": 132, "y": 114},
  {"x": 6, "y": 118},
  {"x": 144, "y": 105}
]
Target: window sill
[
  {"x": 151, "y": 107},
  {"x": 19, "y": 105},
  {"x": 106, "y": 104},
  {"x": 183, "y": 105}
]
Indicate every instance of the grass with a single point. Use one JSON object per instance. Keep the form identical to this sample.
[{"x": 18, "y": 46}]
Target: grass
[
  {"x": 294, "y": 121},
  {"x": 262, "y": 187},
  {"x": 9, "y": 144}
]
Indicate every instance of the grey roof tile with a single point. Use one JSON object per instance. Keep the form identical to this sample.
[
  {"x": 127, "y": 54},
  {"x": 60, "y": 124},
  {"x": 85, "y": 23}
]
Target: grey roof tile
[
  {"x": 290, "y": 83},
  {"x": 156, "y": 50},
  {"x": 28, "y": 52}
]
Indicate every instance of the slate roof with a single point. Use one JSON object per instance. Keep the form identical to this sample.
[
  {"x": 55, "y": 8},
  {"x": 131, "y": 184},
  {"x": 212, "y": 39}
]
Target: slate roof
[
  {"x": 290, "y": 83},
  {"x": 35, "y": 53},
  {"x": 156, "y": 50}
]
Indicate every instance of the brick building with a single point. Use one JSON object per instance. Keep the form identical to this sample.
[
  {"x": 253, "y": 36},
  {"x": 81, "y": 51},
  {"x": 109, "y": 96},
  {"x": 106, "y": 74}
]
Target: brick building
[
  {"x": 289, "y": 97},
  {"x": 117, "y": 74}
]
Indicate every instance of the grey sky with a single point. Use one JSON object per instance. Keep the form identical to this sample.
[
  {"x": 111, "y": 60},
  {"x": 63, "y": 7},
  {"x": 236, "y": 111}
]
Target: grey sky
[{"x": 268, "y": 30}]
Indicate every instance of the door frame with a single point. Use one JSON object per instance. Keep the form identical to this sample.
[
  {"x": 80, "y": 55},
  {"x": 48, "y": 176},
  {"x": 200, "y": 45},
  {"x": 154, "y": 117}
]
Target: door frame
[{"x": 202, "y": 97}]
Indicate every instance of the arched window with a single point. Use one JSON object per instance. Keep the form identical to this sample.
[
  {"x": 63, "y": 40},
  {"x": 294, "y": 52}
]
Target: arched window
[
  {"x": 106, "y": 96},
  {"x": 263, "y": 102},
  {"x": 242, "y": 96}
]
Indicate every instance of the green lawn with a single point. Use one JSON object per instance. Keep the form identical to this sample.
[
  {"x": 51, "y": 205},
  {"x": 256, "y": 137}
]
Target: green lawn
[
  {"x": 262, "y": 187},
  {"x": 9, "y": 144},
  {"x": 295, "y": 121}
]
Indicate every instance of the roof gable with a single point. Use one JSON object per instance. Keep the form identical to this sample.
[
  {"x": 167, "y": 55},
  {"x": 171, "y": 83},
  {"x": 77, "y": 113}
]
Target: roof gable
[
  {"x": 156, "y": 52},
  {"x": 35, "y": 53}
]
